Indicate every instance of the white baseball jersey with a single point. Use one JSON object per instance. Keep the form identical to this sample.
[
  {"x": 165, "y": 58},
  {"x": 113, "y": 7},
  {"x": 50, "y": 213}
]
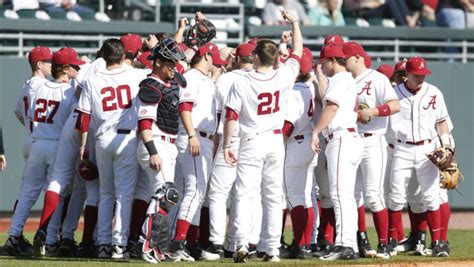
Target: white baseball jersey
[
  {"x": 50, "y": 106},
  {"x": 300, "y": 108},
  {"x": 200, "y": 91},
  {"x": 22, "y": 104},
  {"x": 109, "y": 96},
  {"x": 345, "y": 96},
  {"x": 374, "y": 89},
  {"x": 419, "y": 113},
  {"x": 259, "y": 98},
  {"x": 223, "y": 85}
]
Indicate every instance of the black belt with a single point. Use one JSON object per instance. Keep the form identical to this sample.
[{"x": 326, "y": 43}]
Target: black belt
[
  {"x": 391, "y": 146},
  {"x": 331, "y": 136},
  {"x": 368, "y": 134},
  {"x": 206, "y": 135},
  {"x": 299, "y": 137},
  {"x": 415, "y": 143},
  {"x": 124, "y": 131}
]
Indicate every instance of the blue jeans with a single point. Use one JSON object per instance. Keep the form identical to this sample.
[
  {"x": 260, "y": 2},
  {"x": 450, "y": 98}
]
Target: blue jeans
[{"x": 451, "y": 17}]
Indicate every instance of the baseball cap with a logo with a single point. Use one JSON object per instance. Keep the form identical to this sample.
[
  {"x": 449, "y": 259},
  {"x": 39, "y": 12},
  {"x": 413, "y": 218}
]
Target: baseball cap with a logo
[
  {"x": 333, "y": 39},
  {"x": 245, "y": 50},
  {"x": 400, "y": 66},
  {"x": 306, "y": 62},
  {"x": 353, "y": 49},
  {"x": 214, "y": 51},
  {"x": 417, "y": 66},
  {"x": 40, "y": 53},
  {"x": 386, "y": 70},
  {"x": 131, "y": 42},
  {"x": 331, "y": 51},
  {"x": 67, "y": 56}
]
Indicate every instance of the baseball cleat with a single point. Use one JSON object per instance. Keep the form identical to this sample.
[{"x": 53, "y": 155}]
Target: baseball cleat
[
  {"x": 14, "y": 246},
  {"x": 39, "y": 243},
  {"x": 252, "y": 252},
  {"x": 178, "y": 252},
  {"x": 216, "y": 249},
  {"x": 365, "y": 250},
  {"x": 52, "y": 250},
  {"x": 383, "y": 251},
  {"x": 321, "y": 249},
  {"x": 87, "y": 250},
  {"x": 438, "y": 249},
  {"x": 120, "y": 253},
  {"x": 299, "y": 252},
  {"x": 340, "y": 253},
  {"x": 67, "y": 248},
  {"x": 241, "y": 255},
  {"x": 407, "y": 244},
  {"x": 271, "y": 258},
  {"x": 420, "y": 243},
  {"x": 392, "y": 247},
  {"x": 104, "y": 251}
]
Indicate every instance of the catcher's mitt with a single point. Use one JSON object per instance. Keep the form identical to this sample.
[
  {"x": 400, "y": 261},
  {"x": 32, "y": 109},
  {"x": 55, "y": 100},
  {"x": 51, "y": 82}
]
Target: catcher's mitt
[
  {"x": 88, "y": 170},
  {"x": 200, "y": 34},
  {"x": 443, "y": 158}
]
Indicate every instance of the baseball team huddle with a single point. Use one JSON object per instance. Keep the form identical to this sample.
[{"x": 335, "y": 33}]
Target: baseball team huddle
[{"x": 154, "y": 139}]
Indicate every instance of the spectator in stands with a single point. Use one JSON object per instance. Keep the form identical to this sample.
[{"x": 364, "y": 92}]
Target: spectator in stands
[
  {"x": 271, "y": 14},
  {"x": 450, "y": 13},
  {"x": 72, "y": 10},
  {"x": 394, "y": 9},
  {"x": 470, "y": 15},
  {"x": 429, "y": 8},
  {"x": 26, "y": 8},
  {"x": 328, "y": 13}
]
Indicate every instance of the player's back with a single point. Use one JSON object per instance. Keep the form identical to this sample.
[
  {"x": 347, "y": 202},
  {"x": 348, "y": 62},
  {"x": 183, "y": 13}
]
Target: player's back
[
  {"x": 263, "y": 98},
  {"x": 112, "y": 98},
  {"x": 22, "y": 105},
  {"x": 50, "y": 106}
]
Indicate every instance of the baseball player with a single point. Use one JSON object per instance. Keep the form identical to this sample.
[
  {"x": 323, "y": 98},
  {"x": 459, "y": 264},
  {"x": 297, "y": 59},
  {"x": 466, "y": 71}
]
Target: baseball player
[
  {"x": 300, "y": 160},
  {"x": 158, "y": 122},
  {"x": 344, "y": 149},
  {"x": 223, "y": 175},
  {"x": 422, "y": 117},
  {"x": 379, "y": 101},
  {"x": 109, "y": 98},
  {"x": 49, "y": 107},
  {"x": 257, "y": 100},
  {"x": 197, "y": 109}
]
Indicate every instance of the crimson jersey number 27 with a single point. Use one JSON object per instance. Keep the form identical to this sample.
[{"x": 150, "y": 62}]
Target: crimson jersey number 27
[
  {"x": 269, "y": 103},
  {"x": 119, "y": 97},
  {"x": 41, "y": 110}
]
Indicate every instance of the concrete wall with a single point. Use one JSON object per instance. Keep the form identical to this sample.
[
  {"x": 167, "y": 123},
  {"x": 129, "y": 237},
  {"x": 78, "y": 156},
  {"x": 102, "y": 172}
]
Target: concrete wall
[{"x": 455, "y": 80}]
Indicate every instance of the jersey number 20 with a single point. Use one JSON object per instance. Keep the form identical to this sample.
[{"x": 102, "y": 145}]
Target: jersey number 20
[
  {"x": 265, "y": 106},
  {"x": 42, "y": 108},
  {"x": 114, "y": 97}
]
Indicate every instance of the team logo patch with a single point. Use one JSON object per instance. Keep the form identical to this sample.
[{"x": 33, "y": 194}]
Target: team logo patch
[{"x": 432, "y": 103}]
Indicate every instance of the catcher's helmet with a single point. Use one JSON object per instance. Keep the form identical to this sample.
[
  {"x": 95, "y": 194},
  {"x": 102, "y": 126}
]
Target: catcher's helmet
[
  {"x": 200, "y": 33},
  {"x": 167, "y": 49}
]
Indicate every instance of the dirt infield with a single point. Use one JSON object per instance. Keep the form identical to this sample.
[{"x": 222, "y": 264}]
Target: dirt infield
[{"x": 459, "y": 220}]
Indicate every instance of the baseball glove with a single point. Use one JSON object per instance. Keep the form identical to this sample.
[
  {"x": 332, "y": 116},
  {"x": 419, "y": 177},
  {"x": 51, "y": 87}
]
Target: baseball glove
[
  {"x": 443, "y": 158},
  {"x": 200, "y": 34},
  {"x": 362, "y": 106},
  {"x": 88, "y": 170}
]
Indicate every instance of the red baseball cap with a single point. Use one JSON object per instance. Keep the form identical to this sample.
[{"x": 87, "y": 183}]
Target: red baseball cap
[
  {"x": 330, "y": 51},
  {"x": 67, "y": 56},
  {"x": 386, "y": 70},
  {"x": 253, "y": 41},
  {"x": 306, "y": 62},
  {"x": 214, "y": 51},
  {"x": 245, "y": 50},
  {"x": 353, "y": 49},
  {"x": 417, "y": 66},
  {"x": 143, "y": 59},
  {"x": 400, "y": 66},
  {"x": 367, "y": 60},
  {"x": 333, "y": 39},
  {"x": 40, "y": 53},
  {"x": 131, "y": 42}
]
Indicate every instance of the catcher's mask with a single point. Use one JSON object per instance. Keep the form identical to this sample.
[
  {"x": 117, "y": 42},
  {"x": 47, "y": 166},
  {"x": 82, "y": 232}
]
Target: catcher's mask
[
  {"x": 200, "y": 33},
  {"x": 167, "y": 49}
]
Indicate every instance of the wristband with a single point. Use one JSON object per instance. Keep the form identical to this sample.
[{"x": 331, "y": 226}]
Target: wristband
[
  {"x": 384, "y": 110},
  {"x": 445, "y": 140},
  {"x": 150, "y": 147},
  {"x": 191, "y": 136}
]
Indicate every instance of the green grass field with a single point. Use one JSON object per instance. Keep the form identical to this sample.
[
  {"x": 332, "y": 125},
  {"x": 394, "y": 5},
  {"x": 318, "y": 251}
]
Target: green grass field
[{"x": 462, "y": 252}]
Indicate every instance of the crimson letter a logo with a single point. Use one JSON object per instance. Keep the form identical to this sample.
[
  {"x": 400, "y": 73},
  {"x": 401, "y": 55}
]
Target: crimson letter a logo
[
  {"x": 432, "y": 103},
  {"x": 366, "y": 88}
]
